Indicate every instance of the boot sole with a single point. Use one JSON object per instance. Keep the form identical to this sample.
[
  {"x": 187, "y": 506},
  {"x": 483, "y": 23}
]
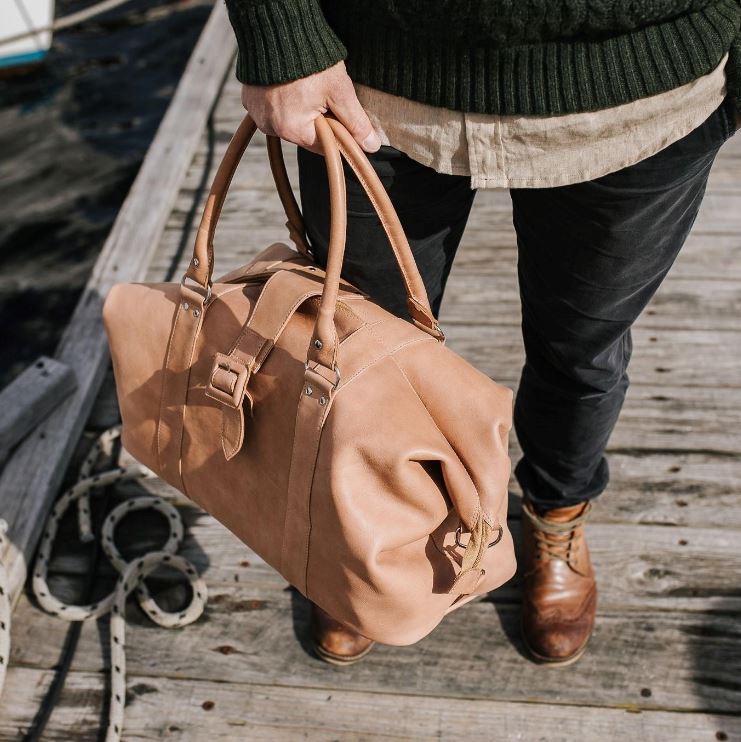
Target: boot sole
[
  {"x": 542, "y": 659},
  {"x": 339, "y": 660}
]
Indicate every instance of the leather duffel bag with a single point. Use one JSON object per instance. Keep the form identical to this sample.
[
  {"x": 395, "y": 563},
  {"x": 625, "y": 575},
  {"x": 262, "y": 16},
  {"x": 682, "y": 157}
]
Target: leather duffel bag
[{"x": 350, "y": 448}]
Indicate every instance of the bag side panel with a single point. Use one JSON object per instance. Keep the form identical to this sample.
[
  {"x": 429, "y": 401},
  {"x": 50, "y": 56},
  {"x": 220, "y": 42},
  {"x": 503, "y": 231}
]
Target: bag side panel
[
  {"x": 138, "y": 320},
  {"x": 382, "y": 550}
]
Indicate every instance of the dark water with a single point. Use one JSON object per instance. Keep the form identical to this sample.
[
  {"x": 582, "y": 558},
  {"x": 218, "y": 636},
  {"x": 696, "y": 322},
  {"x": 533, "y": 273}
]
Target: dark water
[{"x": 72, "y": 136}]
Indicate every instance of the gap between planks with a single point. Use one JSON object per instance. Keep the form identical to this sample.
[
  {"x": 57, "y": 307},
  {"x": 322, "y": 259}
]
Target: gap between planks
[
  {"x": 257, "y": 711},
  {"x": 32, "y": 477}
]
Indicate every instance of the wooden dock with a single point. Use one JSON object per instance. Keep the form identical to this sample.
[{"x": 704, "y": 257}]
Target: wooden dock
[{"x": 665, "y": 661}]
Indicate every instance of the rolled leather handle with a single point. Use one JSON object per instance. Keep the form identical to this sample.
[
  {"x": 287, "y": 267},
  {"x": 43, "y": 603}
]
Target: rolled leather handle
[{"x": 335, "y": 139}]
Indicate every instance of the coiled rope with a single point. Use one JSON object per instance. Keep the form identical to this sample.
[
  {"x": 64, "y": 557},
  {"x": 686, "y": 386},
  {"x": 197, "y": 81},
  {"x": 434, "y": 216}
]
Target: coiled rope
[{"x": 131, "y": 574}]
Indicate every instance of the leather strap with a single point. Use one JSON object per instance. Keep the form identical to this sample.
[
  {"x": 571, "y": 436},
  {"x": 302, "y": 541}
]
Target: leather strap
[
  {"x": 187, "y": 321},
  {"x": 295, "y": 223},
  {"x": 471, "y": 571},
  {"x": 284, "y": 292},
  {"x": 200, "y": 268},
  {"x": 313, "y": 408},
  {"x": 417, "y": 300}
]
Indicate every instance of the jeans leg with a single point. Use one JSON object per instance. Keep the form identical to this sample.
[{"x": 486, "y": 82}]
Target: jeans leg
[
  {"x": 590, "y": 257},
  {"x": 433, "y": 209}
]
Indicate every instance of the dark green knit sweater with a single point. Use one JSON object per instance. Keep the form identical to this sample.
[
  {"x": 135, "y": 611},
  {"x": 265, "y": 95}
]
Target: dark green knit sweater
[{"x": 494, "y": 56}]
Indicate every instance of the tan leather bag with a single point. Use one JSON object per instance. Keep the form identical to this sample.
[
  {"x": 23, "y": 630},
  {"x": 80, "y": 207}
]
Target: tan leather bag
[{"x": 349, "y": 448}]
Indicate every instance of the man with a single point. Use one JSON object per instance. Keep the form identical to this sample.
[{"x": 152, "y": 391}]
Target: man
[{"x": 602, "y": 117}]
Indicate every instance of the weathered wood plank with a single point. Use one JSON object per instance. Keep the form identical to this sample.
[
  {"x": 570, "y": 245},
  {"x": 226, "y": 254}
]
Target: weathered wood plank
[
  {"x": 30, "y": 397},
  {"x": 33, "y": 475},
  {"x": 184, "y": 710},
  {"x": 640, "y": 567},
  {"x": 257, "y": 633},
  {"x": 681, "y": 303},
  {"x": 483, "y": 251},
  {"x": 683, "y": 488},
  {"x": 671, "y": 488},
  {"x": 492, "y": 208},
  {"x": 679, "y": 419},
  {"x": 687, "y": 358}
]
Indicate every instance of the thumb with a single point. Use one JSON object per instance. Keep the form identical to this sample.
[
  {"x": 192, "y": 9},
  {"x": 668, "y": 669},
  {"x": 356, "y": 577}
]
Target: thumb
[{"x": 345, "y": 105}]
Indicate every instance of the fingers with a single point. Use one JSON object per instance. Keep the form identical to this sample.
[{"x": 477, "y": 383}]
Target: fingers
[
  {"x": 346, "y": 107},
  {"x": 290, "y": 110},
  {"x": 299, "y": 129}
]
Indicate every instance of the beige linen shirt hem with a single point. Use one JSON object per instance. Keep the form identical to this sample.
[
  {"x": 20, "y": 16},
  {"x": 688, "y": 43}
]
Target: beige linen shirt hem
[{"x": 541, "y": 151}]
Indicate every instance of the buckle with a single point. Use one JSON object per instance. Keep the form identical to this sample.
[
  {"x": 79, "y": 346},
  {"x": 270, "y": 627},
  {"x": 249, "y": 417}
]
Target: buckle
[
  {"x": 459, "y": 533},
  {"x": 227, "y": 381},
  {"x": 337, "y": 377},
  {"x": 207, "y": 295}
]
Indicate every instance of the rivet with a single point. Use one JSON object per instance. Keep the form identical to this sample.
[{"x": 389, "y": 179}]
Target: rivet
[
  {"x": 309, "y": 390},
  {"x": 186, "y": 305},
  {"x": 318, "y": 344},
  {"x": 196, "y": 262},
  {"x": 196, "y": 312},
  {"x": 322, "y": 400}
]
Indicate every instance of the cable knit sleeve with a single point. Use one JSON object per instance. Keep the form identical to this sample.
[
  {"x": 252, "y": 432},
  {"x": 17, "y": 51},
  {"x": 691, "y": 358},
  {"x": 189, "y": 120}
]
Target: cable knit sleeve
[
  {"x": 734, "y": 73},
  {"x": 282, "y": 40}
]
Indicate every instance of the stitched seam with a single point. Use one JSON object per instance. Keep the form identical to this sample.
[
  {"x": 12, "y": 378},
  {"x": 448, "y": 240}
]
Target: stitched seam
[
  {"x": 235, "y": 448},
  {"x": 315, "y": 457},
  {"x": 246, "y": 325},
  {"x": 291, "y": 311},
  {"x": 185, "y": 400},
  {"x": 164, "y": 379},
  {"x": 379, "y": 358}
]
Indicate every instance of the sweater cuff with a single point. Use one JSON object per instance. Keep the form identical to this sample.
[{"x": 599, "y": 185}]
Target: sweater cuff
[
  {"x": 733, "y": 73},
  {"x": 282, "y": 40}
]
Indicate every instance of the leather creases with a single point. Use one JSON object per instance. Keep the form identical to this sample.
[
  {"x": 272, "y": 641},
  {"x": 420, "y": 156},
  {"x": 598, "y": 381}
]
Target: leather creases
[{"x": 344, "y": 445}]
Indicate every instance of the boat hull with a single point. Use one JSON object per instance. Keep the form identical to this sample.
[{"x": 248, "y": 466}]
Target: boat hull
[{"x": 19, "y": 17}]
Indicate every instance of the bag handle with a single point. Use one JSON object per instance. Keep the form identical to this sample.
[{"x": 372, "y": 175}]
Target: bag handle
[{"x": 333, "y": 138}]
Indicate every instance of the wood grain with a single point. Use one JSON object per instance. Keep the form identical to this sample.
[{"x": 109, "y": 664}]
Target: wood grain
[
  {"x": 256, "y": 632},
  {"x": 185, "y": 710},
  {"x": 32, "y": 476},
  {"x": 665, "y": 660},
  {"x": 30, "y": 398}
]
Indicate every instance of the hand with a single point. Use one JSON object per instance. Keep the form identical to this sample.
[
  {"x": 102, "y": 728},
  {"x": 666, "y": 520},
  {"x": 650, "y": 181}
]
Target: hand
[{"x": 289, "y": 110}]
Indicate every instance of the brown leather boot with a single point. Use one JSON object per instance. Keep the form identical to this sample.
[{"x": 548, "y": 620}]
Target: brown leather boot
[
  {"x": 334, "y": 642},
  {"x": 559, "y": 590}
]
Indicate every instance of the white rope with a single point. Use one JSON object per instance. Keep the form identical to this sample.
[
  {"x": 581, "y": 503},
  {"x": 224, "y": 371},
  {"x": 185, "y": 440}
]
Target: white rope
[
  {"x": 131, "y": 574},
  {"x": 68, "y": 20}
]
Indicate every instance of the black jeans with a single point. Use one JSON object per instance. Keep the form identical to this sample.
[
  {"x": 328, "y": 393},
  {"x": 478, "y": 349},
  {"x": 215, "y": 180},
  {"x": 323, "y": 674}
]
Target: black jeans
[{"x": 590, "y": 257}]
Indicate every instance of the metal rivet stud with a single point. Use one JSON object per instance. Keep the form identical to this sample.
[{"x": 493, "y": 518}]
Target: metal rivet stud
[
  {"x": 196, "y": 312},
  {"x": 318, "y": 344},
  {"x": 186, "y": 305},
  {"x": 309, "y": 390},
  {"x": 322, "y": 400},
  {"x": 196, "y": 262}
]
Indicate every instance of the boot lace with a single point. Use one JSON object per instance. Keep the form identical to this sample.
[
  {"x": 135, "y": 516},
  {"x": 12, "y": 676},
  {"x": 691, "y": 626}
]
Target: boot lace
[{"x": 555, "y": 540}]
